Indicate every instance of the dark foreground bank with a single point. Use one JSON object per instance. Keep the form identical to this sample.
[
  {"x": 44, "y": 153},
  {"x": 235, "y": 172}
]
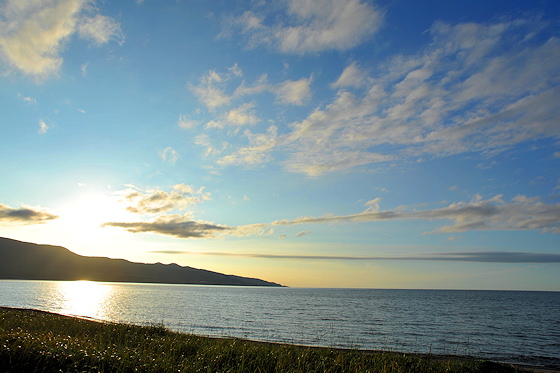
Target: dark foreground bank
[{"x": 37, "y": 341}]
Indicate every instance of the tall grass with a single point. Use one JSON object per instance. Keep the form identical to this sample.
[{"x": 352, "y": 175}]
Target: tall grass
[{"x": 34, "y": 341}]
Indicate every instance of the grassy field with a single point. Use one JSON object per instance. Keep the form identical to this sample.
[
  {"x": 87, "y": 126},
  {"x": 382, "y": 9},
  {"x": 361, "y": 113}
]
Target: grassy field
[{"x": 35, "y": 341}]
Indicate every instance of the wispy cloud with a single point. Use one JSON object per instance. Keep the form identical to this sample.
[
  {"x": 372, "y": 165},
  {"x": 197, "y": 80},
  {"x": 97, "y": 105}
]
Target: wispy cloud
[
  {"x": 293, "y": 92},
  {"x": 493, "y": 214},
  {"x": 43, "y": 127},
  {"x": 220, "y": 89},
  {"x": 243, "y": 115},
  {"x": 303, "y": 233},
  {"x": 29, "y": 100},
  {"x": 210, "y": 89},
  {"x": 257, "y": 153},
  {"x": 187, "y": 123},
  {"x": 471, "y": 256},
  {"x": 311, "y": 26},
  {"x": 209, "y": 148},
  {"x": 33, "y": 33},
  {"x": 169, "y": 155},
  {"x": 101, "y": 29},
  {"x": 24, "y": 215},
  {"x": 351, "y": 76}
]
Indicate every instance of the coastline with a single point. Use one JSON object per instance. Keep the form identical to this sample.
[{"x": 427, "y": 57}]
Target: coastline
[{"x": 30, "y": 317}]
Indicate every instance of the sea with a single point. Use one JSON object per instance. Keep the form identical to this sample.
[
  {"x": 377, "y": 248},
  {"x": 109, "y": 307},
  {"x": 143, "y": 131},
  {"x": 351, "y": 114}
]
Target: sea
[{"x": 521, "y": 327}]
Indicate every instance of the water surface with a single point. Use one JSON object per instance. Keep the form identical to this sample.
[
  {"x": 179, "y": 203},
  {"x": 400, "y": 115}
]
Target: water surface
[{"x": 518, "y": 327}]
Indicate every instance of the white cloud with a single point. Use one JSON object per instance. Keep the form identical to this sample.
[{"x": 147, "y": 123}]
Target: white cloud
[
  {"x": 33, "y": 33},
  {"x": 236, "y": 70},
  {"x": 352, "y": 76},
  {"x": 169, "y": 155},
  {"x": 101, "y": 29},
  {"x": 261, "y": 85},
  {"x": 216, "y": 90},
  {"x": 474, "y": 88},
  {"x": 29, "y": 100},
  {"x": 373, "y": 205},
  {"x": 478, "y": 88},
  {"x": 243, "y": 115},
  {"x": 293, "y": 92},
  {"x": 210, "y": 149},
  {"x": 43, "y": 127},
  {"x": 256, "y": 229},
  {"x": 316, "y": 160},
  {"x": 257, "y": 153},
  {"x": 303, "y": 233},
  {"x": 210, "y": 89},
  {"x": 313, "y": 26},
  {"x": 185, "y": 122},
  {"x": 155, "y": 201}
]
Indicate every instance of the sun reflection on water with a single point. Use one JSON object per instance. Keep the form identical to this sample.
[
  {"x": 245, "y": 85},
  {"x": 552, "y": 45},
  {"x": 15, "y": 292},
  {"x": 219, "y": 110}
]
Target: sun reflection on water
[{"x": 84, "y": 298}]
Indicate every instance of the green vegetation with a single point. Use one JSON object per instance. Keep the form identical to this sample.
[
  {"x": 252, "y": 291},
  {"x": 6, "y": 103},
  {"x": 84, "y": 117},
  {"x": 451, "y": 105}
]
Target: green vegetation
[{"x": 35, "y": 341}]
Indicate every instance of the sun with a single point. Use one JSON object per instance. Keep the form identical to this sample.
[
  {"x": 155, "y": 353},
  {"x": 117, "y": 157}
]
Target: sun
[
  {"x": 89, "y": 211},
  {"x": 82, "y": 216}
]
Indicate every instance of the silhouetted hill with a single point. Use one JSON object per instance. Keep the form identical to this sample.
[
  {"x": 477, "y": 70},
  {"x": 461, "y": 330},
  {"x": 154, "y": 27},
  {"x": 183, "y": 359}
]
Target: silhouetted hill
[{"x": 29, "y": 261}]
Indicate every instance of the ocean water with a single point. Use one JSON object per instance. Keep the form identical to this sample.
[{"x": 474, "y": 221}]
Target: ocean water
[{"x": 516, "y": 327}]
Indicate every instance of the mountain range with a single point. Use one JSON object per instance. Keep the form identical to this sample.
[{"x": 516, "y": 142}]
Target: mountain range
[{"x": 30, "y": 261}]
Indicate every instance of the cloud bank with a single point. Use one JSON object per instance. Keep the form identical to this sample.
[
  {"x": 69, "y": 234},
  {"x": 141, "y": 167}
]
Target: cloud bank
[{"x": 469, "y": 256}]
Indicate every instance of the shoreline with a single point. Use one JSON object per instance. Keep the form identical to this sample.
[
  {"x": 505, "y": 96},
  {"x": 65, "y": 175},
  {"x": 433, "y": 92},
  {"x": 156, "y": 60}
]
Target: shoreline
[{"x": 440, "y": 358}]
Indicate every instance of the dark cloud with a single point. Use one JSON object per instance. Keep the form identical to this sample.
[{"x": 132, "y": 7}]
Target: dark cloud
[
  {"x": 172, "y": 225},
  {"x": 473, "y": 256},
  {"x": 24, "y": 215},
  {"x": 500, "y": 257}
]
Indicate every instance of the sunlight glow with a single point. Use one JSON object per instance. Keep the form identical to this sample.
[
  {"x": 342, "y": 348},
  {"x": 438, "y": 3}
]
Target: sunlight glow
[
  {"x": 87, "y": 212},
  {"x": 84, "y": 298},
  {"x": 83, "y": 215}
]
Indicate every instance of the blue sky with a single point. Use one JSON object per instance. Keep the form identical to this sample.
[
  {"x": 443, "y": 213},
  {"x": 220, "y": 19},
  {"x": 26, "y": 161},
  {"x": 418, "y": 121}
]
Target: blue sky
[{"x": 382, "y": 144}]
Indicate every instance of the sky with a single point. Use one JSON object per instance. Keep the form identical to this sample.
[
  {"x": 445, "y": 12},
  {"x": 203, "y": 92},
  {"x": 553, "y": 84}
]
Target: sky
[{"x": 313, "y": 143}]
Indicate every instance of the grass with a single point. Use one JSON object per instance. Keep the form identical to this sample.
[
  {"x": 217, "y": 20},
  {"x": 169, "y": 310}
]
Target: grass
[{"x": 35, "y": 341}]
